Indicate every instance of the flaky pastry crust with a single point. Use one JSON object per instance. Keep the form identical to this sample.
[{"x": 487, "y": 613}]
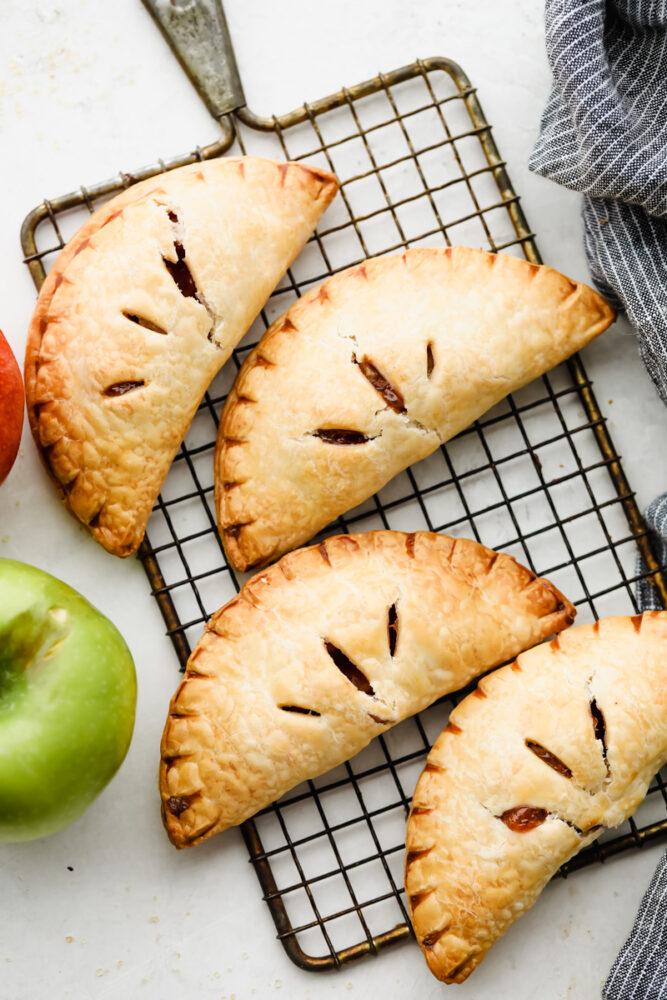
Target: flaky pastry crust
[
  {"x": 325, "y": 650},
  {"x": 141, "y": 309},
  {"x": 371, "y": 372},
  {"x": 534, "y": 765}
]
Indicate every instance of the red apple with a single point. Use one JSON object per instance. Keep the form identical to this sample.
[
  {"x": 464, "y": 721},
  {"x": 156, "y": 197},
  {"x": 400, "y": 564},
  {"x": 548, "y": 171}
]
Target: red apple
[{"x": 11, "y": 408}]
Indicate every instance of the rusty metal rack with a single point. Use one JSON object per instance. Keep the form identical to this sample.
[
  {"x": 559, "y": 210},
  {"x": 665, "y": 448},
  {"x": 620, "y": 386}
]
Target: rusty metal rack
[{"x": 537, "y": 476}]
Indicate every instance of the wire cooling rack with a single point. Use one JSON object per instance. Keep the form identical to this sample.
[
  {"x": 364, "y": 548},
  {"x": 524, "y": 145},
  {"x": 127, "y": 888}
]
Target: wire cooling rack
[{"x": 538, "y": 477}]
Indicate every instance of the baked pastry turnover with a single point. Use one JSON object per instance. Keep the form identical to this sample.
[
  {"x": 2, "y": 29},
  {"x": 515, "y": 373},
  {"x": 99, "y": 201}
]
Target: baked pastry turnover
[
  {"x": 325, "y": 650},
  {"x": 371, "y": 372},
  {"x": 141, "y": 309},
  {"x": 532, "y": 766}
]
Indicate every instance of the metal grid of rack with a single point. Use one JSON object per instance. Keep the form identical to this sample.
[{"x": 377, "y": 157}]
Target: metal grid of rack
[{"x": 537, "y": 477}]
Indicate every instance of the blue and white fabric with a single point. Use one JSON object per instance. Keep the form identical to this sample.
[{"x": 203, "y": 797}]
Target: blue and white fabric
[{"x": 604, "y": 133}]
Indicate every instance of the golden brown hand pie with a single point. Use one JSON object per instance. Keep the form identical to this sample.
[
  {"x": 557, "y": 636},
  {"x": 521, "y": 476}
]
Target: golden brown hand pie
[
  {"x": 327, "y": 649},
  {"x": 532, "y": 766},
  {"x": 371, "y": 372},
  {"x": 142, "y": 308}
]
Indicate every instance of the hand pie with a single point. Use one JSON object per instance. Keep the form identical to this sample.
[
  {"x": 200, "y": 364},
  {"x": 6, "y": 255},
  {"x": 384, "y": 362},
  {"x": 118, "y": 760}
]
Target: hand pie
[
  {"x": 371, "y": 372},
  {"x": 532, "y": 766},
  {"x": 141, "y": 309},
  {"x": 327, "y": 649}
]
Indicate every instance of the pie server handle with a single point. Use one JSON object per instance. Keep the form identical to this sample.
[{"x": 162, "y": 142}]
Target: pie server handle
[{"x": 197, "y": 33}]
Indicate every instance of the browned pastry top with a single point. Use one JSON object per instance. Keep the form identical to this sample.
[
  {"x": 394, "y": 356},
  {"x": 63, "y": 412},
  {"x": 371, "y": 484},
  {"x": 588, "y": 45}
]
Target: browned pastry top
[
  {"x": 325, "y": 650},
  {"x": 371, "y": 372},
  {"x": 534, "y": 765},
  {"x": 140, "y": 310}
]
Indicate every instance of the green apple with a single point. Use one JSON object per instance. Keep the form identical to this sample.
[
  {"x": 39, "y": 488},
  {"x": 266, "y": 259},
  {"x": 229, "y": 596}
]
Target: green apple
[{"x": 67, "y": 700}]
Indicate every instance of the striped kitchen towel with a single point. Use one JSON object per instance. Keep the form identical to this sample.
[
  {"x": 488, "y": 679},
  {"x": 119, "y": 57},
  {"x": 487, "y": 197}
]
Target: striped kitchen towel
[
  {"x": 656, "y": 521},
  {"x": 604, "y": 133},
  {"x": 640, "y": 971}
]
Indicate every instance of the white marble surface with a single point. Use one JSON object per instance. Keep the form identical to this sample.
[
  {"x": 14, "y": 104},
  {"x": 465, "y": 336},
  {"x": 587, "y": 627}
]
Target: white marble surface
[{"x": 87, "y": 88}]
